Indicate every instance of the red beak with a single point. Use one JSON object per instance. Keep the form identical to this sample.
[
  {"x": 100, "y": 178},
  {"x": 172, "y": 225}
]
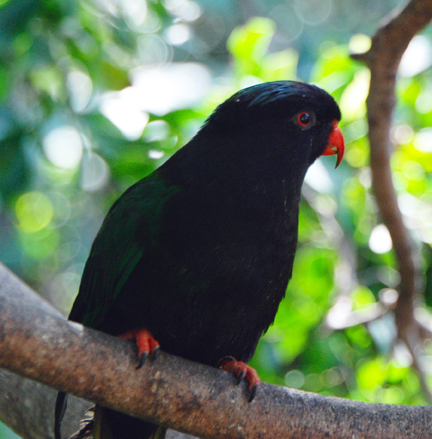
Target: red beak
[{"x": 336, "y": 144}]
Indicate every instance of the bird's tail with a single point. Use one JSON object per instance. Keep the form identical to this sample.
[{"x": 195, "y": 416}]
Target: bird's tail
[
  {"x": 60, "y": 408},
  {"x": 102, "y": 423},
  {"x": 109, "y": 424}
]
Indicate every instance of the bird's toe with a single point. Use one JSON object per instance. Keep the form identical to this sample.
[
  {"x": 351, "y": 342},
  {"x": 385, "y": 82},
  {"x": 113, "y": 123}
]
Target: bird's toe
[
  {"x": 145, "y": 342},
  {"x": 242, "y": 371}
]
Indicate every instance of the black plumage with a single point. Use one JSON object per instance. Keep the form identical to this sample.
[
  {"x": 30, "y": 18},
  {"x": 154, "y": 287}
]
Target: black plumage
[{"x": 201, "y": 251}]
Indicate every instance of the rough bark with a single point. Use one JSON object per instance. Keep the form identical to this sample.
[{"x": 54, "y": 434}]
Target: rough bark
[
  {"x": 38, "y": 344},
  {"x": 388, "y": 45}
]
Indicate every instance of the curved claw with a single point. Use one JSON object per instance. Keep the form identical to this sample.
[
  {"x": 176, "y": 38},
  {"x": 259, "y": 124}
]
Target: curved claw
[
  {"x": 146, "y": 344},
  {"x": 242, "y": 371},
  {"x": 253, "y": 392},
  {"x": 156, "y": 351},
  {"x": 142, "y": 360},
  {"x": 240, "y": 376}
]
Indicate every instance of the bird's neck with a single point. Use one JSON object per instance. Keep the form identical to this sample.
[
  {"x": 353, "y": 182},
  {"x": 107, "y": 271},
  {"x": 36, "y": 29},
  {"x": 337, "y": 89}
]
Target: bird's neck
[
  {"x": 240, "y": 189},
  {"x": 253, "y": 175}
]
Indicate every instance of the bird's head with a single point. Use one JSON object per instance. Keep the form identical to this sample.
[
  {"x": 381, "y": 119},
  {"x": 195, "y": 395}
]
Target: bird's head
[{"x": 291, "y": 118}]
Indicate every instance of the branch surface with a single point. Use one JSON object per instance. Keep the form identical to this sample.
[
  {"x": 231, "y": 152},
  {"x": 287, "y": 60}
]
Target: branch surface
[
  {"x": 27, "y": 407},
  {"x": 203, "y": 401},
  {"x": 388, "y": 45}
]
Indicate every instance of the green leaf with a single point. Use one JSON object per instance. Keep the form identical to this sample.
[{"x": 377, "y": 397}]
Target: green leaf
[
  {"x": 252, "y": 40},
  {"x": 249, "y": 43},
  {"x": 372, "y": 374},
  {"x": 362, "y": 298}
]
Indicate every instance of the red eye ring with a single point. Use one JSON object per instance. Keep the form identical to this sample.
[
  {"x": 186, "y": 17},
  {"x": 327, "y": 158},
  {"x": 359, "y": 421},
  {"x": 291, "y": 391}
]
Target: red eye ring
[{"x": 304, "y": 119}]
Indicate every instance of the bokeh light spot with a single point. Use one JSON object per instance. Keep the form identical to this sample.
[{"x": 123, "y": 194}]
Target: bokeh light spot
[
  {"x": 94, "y": 172},
  {"x": 129, "y": 120},
  {"x": 185, "y": 9},
  {"x": 63, "y": 147},
  {"x": 423, "y": 103},
  {"x": 359, "y": 43},
  {"x": 34, "y": 211},
  {"x": 156, "y": 131},
  {"x": 153, "y": 154},
  {"x": 313, "y": 12},
  {"x": 163, "y": 90},
  {"x": 80, "y": 87},
  {"x": 402, "y": 134},
  {"x": 417, "y": 57},
  {"x": 178, "y": 34},
  {"x": 318, "y": 178},
  {"x": 295, "y": 379},
  {"x": 423, "y": 140},
  {"x": 380, "y": 240}
]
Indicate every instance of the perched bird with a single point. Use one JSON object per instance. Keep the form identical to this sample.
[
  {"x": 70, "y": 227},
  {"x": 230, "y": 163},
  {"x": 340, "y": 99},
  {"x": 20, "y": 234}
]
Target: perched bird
[{"x": 197, "y": 256}]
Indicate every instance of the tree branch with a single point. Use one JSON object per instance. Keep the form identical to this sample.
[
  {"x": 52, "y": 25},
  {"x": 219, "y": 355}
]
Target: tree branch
[
  {"x": 35, "y": 342},
  {"x": 388, "y": 45},
  {"x": 27, "y": 407}
]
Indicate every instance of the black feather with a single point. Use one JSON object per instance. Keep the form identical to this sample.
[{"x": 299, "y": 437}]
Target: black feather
[{"x": 200, "y": 252}]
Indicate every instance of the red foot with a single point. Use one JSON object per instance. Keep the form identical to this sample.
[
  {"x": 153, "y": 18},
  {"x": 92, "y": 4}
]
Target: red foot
[
  {"x": 242, "y": 370},
  {"x": 145, "y": 342}
]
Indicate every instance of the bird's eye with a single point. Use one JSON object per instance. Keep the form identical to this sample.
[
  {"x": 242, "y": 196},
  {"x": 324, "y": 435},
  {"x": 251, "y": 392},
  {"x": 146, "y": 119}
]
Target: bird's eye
[{"x": 304, "y": 119}]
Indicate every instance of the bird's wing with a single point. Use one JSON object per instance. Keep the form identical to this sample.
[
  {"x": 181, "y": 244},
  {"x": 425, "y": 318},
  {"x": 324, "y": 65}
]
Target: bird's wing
[{"x": 129, "y": 231}]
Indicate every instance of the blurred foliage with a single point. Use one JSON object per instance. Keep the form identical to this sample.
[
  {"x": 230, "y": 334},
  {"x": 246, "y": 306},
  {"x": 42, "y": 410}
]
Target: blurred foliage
[{"x": 95, "y": 95}]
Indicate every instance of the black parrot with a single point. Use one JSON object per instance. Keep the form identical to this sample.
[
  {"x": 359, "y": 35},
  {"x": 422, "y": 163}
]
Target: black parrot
[{"x": 198, "y": 254}]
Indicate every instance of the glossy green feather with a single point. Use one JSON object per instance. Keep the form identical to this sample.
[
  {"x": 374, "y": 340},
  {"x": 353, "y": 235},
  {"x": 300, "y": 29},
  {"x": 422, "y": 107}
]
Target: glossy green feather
[{"x": 130, "y": 229}]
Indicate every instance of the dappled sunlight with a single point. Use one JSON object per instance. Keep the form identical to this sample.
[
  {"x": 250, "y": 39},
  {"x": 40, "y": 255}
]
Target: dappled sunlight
[
  {"x": 80, "y": 88},
  {"x": 34, "y": 211},
  {"x": 123, "y": 113},
  {"x": 63, "y": 147},
  {"x": 417, "y": 57},
  {"x": 94, "y": 172},
  {"x": 96, "y": 96},
  {"x": 173, "y": 87},
  {"x": 157, "y": 91},
  {"x": 178, "y": 34},
  {"x": 380, "y": 240},
  {"x": 318, "y": 178},
  {"x": 423, "y": 140},
  {"x": 353, "y": 100}
]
